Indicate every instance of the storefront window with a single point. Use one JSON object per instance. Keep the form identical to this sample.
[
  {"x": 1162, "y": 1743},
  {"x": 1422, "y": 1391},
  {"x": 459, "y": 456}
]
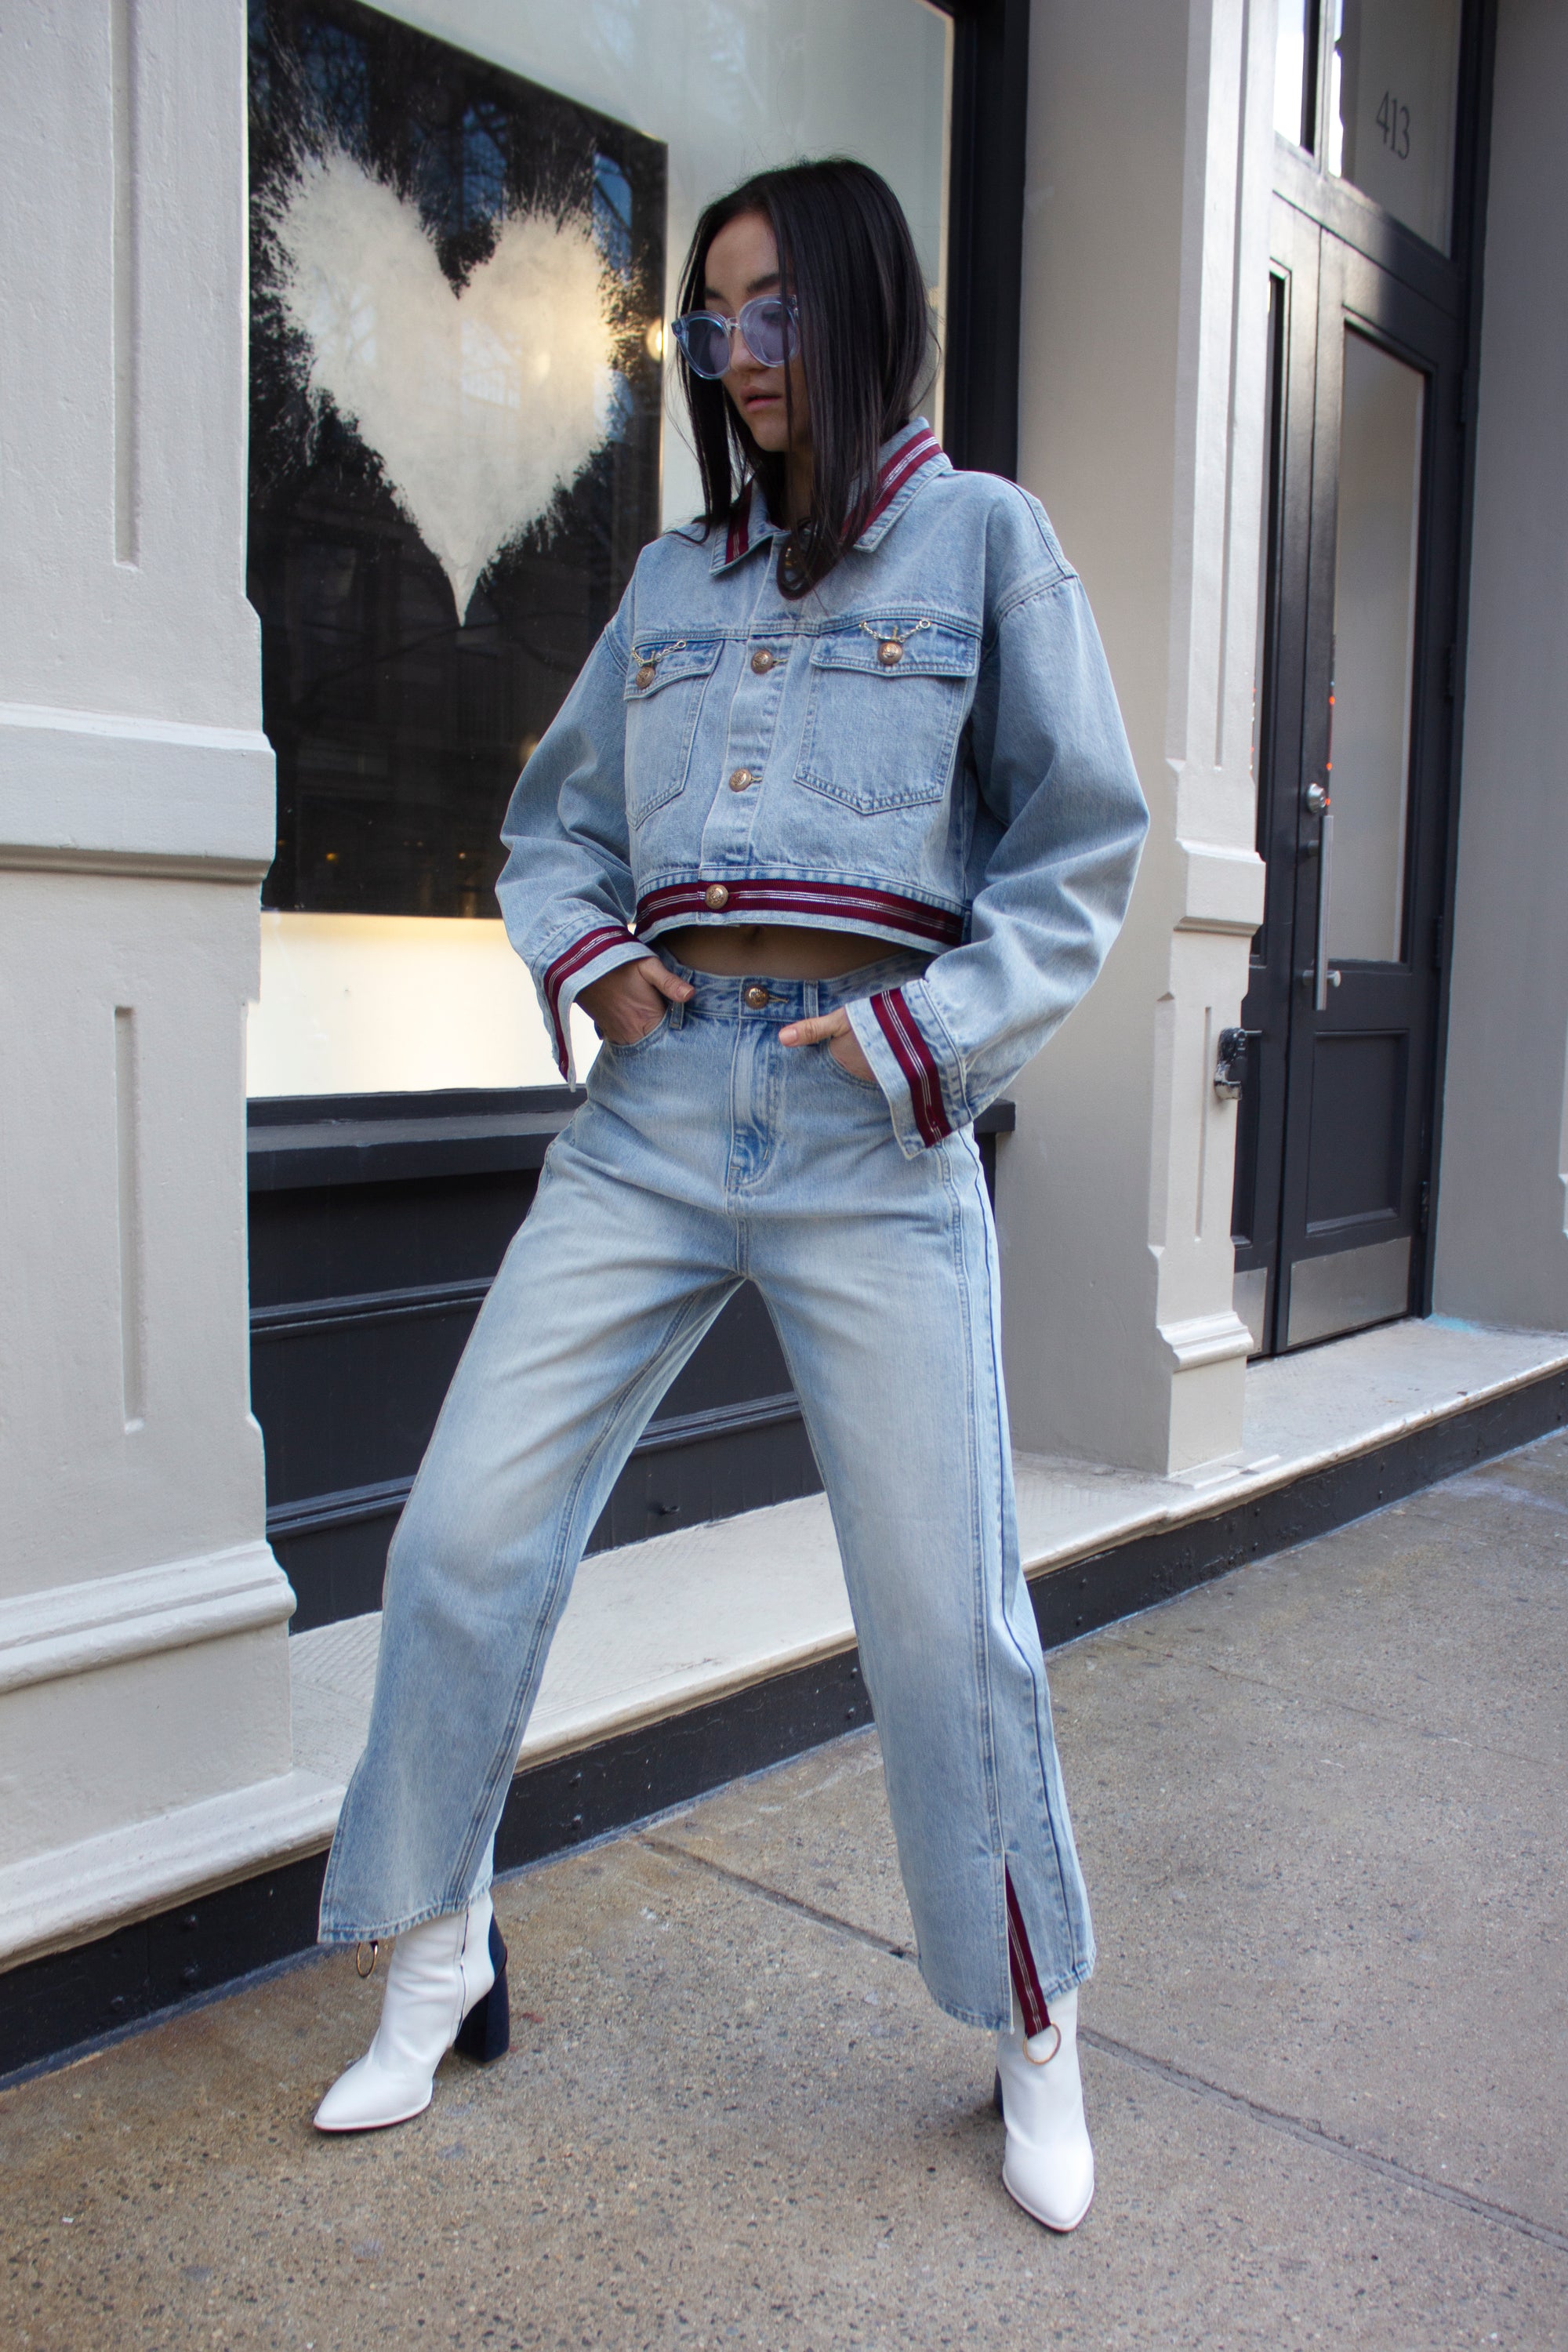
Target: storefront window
[{"x": 469, "y": 220}]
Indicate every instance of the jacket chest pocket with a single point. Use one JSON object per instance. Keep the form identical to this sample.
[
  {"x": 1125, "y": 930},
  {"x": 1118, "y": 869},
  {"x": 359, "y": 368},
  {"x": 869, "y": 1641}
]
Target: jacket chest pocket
[
  {"x": 664, "y": 690},
  {"x": 884, "y": 712}
]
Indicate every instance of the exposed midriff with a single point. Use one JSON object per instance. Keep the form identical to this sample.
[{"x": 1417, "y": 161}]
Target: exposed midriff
[{"x": 773, "y": 951}]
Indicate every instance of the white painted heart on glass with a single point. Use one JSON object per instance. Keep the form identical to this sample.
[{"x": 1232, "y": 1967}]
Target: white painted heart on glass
[{"x": 480, "y": 404}]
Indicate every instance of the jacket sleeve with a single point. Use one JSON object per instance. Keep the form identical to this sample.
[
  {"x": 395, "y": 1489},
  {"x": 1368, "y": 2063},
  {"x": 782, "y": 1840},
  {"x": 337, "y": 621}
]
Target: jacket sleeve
[
  {"x": 1053, "y": 767},
  {"x": 565, "y": 890}
]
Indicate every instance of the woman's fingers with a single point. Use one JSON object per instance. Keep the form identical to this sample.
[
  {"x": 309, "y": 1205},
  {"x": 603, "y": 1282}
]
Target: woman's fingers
[
  {"x": 630, "y": 1000},
  {"x": 813, "y": 1031},
  {"x": 820, "y": 1029},
  {"x": 663, "y": 979}
]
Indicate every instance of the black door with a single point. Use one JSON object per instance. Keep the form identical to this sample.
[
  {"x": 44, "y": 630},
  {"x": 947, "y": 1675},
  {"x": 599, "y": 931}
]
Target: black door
[{"x": 1354, "y": 747}]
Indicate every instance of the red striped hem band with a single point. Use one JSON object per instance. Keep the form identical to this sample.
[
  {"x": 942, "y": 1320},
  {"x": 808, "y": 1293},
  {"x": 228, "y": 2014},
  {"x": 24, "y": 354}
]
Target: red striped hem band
[
  {"x": 753, "y": 895},
  {"x": 582, "y": 952},
  {"x": 1025, "y": 1981},
  {"x": 914, "y": 1059}
]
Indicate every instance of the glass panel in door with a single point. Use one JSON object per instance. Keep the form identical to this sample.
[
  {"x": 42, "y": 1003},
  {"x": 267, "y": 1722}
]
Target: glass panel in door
[
  {"x": 1294, "y": 36},
  {"x": 1393, "y": 77},
  {"x": 1381, "y": 421}
]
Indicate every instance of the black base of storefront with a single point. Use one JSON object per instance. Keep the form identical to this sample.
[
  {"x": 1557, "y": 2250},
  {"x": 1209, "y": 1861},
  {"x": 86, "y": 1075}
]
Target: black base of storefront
[{"x": 60, "y": 2007}]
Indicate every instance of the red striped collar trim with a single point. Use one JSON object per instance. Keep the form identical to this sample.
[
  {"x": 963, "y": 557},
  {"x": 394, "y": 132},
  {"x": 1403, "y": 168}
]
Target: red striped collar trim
[
  {"x": 737, "y": 537},
  {"x": 899, "y": 471},
  {"x": 906, "y": 458},
  {"x": 916, "y": 1061},
  {"x": 565, "y": 968},
  {"x": 753, "y": 895}
]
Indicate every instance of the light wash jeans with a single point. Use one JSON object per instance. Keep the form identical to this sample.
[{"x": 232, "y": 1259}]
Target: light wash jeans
[{"x": 705, "y": 1155}]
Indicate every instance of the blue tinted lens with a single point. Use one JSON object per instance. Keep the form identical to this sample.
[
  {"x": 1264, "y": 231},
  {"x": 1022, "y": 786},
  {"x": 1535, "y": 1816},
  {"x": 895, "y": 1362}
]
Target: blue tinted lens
[
  {"x": 705, "y": 339},
  {"x": 769, "y": 327}
]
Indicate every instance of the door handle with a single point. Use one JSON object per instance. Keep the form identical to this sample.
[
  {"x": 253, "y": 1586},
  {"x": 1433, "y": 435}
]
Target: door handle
[{"x": 1318, "y": 975}]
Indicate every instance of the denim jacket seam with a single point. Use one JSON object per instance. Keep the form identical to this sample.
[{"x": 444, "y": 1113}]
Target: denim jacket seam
[{"x": 1031, "y": 592}]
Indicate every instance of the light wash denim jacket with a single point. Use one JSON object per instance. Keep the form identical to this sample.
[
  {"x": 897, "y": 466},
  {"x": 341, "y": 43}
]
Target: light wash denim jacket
[{"x": 926, "y": 748}]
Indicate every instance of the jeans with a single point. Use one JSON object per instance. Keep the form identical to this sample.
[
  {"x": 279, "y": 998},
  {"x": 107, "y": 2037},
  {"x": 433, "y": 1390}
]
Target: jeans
[{"x": 706, "y": 1155}]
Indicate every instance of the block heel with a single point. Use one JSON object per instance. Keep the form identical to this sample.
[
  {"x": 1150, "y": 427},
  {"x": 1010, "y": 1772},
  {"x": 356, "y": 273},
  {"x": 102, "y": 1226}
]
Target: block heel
[{"x": 485, "y": 2032}]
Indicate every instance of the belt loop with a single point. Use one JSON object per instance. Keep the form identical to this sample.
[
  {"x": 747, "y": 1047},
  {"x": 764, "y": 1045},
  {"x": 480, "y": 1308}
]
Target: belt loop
[
  {"x": 809, "y": 995},
  {"x": 678, "y": 1012}
]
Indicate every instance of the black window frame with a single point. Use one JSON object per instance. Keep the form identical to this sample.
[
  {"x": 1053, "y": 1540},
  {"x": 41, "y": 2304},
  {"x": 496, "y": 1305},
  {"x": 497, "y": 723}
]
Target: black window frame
[{"x": 988, "y": 137}]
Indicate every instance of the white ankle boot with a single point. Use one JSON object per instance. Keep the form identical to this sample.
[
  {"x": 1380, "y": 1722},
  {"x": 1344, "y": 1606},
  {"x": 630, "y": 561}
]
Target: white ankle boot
[
  {"x": 446, "y": 1984},
  {"x": 1049, "y": 2168}
]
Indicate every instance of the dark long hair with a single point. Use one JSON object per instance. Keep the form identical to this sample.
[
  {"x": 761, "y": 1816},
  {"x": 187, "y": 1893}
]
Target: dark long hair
[{"x": 846, "y": 257}]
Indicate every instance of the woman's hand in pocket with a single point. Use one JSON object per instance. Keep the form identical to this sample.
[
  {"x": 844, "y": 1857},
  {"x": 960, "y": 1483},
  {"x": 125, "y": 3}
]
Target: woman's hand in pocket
[
  {"x": 833, "y": 1030},
  {"x": 631, "y": 999}
]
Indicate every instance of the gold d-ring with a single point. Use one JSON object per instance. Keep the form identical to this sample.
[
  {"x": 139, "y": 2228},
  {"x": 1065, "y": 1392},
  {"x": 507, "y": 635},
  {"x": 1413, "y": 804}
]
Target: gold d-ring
[
  {"x": 1029, "y": 2054},
  {"x": 359, "y": 1950}
]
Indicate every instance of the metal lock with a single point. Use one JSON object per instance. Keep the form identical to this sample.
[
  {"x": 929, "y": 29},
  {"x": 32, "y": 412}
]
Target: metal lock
[{"x": 1232, "y": 1063}]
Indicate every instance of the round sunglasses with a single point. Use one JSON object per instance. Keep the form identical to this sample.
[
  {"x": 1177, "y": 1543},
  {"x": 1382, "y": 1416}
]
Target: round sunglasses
[{"x": 769, "y": 326}]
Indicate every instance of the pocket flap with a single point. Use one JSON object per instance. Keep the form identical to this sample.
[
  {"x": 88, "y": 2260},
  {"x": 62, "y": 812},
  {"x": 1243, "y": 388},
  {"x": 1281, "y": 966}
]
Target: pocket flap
[
  {"x": 926, "y": 649},
  {"x": 662, "y": 663}
]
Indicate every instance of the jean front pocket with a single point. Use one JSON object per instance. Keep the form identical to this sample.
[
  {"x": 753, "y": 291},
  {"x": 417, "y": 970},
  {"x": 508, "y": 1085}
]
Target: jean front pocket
[
  {"x": 663, "y": 698},
  {"x": 836, "y": 1068},
  {"x": 887, "y": 698},
  {"x": 640, "y": 1045}
]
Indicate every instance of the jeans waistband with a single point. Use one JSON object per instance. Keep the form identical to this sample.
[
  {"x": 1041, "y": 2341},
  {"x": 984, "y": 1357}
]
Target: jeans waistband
[{"x": 728, "y": 996}]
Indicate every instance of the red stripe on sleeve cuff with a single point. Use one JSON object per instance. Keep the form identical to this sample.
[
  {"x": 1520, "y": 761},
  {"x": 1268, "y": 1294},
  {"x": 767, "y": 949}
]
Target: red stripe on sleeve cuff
[
  {"x": 913, "y": 1055},
  {"x": 582, "y": 953}
]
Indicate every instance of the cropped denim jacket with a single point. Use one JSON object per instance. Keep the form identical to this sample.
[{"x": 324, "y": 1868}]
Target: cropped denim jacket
[{"x": 926, "y": 750}]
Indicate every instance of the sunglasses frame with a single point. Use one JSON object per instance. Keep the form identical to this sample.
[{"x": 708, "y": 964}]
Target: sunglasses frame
[{"x": 738, "y": 324}]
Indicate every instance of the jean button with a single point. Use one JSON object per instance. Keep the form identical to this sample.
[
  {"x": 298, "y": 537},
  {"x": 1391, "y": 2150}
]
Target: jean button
[
  {"x": 716, "y": 896},
  {"x": 757, "y": 998},
  {"x": 762, "y": 661},
  {"x": 741, "y": 780}
]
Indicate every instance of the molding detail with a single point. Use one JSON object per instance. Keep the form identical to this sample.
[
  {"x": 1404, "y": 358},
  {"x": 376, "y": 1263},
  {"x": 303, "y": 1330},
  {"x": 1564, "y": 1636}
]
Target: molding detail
[
  {"x": 87, "y": 792},
  {"x": 1207, "y": 1339},
  {"x": 1221, "y": 888},
  {"x": 76, "y": 1629},
  {"x": 77, "y": 1891}
]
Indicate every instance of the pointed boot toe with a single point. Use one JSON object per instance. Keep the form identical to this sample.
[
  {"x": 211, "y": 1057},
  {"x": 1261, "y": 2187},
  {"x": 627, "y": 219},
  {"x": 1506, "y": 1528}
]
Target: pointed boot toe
[
  {"x": 370, "y": 2096},
  {"x": 1049, "y": 2168},
  {"x": 446, "y": 1984}
]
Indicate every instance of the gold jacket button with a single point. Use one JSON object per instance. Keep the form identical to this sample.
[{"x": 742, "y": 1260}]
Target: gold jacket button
[
  {"x": 889, "y": 652},
  {"x": 648, "y": 673},
  {"x": 762, "y": 661},
  {"x": 716, "y": 896},
  {"x": 757, "y": 998},
  {"x": 741, "y": 780}
]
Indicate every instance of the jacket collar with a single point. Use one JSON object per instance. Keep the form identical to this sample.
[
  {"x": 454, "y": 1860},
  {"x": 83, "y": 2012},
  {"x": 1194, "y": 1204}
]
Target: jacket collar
[{"x": 903, "y": 465}]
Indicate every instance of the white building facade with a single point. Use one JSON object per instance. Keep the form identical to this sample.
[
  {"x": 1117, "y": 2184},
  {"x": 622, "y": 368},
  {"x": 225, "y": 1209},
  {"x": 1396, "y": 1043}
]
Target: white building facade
[{"x": 1297, "y": 422}]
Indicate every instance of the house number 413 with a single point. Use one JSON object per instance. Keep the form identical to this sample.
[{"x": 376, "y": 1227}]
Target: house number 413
[{"x": 1393, "y": 121}]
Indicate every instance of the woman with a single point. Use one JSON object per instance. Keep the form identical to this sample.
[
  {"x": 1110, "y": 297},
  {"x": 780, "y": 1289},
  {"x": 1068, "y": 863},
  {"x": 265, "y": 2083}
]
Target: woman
[{"x": 836, "y": 824}]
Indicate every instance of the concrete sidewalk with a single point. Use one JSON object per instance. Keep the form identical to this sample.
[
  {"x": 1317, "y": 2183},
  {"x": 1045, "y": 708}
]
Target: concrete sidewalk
[{"x": 1320, "y": 1806}]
